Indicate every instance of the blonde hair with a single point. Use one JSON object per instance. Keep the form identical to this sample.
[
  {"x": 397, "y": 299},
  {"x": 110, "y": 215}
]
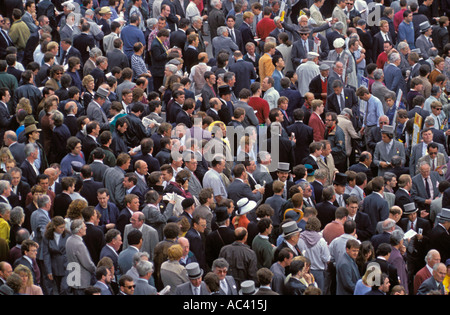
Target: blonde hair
[
  {"x": 24, "y": 269},
  {"x": 175, "y": 252}
]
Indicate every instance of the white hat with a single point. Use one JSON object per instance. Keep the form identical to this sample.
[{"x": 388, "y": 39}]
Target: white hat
[
  {"x": 339, "y": 43},
  {"x": 245, "y": 205}
]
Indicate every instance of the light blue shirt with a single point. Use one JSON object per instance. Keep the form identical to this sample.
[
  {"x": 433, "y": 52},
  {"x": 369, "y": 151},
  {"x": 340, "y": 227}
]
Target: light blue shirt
[{"x": 375, "y": 111}]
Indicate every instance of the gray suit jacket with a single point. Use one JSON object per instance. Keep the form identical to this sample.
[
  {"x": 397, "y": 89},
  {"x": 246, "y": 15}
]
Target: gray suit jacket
[
  {"x": 232, "y": 289},
  {"x": 186, "y": 289},
  {"x": 250, "y": 117},
  {"x": 195, "y": 186},
  {"x": 261, "y": 175},
  {"x": 94, "y": 112},
  {"x": 78, "y": 255},
  {"x": 150, "y": 239},
  {"x": 39, "y": 220},
  {"x": 381, "y": 155},
  {"x": 206, "y": 213},
  {"x": 54, "y": 255},
  {"x": 144, "y": 288},
  {"x": 418, "y": 191},
  {"x": 379, "y": 90},
  {"x": 223, "y": 43},
  {"x": 238, "y": 189},
  {"x": 424, "y": 45},
  {"x": 113, "y": 180},
  {"x": 417, "y": 153}
]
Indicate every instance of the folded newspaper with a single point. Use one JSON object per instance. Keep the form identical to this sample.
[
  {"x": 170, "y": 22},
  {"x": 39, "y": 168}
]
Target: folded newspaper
[
  {"x": 147, "y": 121},
  {"x": 177, "y": 208}
]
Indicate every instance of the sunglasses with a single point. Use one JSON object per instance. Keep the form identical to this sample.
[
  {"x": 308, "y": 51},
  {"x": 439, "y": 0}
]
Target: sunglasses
[{"x": 130, "y": 287}]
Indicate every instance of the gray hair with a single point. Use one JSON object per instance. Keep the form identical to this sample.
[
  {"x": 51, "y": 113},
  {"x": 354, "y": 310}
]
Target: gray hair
[
  {"x": 57, "y": 117},
  {"x": 402, "y": 45},
  {"x": 4, "y": 184},
  {"x": 95, "y": 52},
  {"x": 197, "y": 18},
  {"x": 76, "y": 226},
  {"x": 429, "y": 121},
  {"x": 151, "y": 22},
  {"x": 4, "y": 208},
  {"x": 30, "y": 148},
  {"x": 43, "y": 200},
  {"x": 221, "y": 30},
  {"x": 396, "y": 237},
  {"x": 144, "y": 267},
  {"x": 388, "y": 224},
  {"x": 214, "y": 3},
  {"x": 321, "y": 173},
  {"x": 378, "y": 74},
  {"x": 394, "y": 57},
  {"x": 138, "y": 257},
  {"x": 339, "y": 26},
  {"x": 172, "y": 68},
  {"x": 17, "y": 215},
  {"x": 220, "y": 263}
]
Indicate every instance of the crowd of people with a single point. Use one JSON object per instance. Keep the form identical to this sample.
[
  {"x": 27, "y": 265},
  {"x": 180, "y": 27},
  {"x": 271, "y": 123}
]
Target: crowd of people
[{"x": 229, "y": 147}]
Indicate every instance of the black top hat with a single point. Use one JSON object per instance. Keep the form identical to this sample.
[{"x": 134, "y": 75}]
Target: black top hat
[{"x": 340, "y": 179}]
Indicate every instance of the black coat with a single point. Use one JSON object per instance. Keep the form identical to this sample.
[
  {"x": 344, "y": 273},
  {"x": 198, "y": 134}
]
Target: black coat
[{"x": 89, "y": 191}]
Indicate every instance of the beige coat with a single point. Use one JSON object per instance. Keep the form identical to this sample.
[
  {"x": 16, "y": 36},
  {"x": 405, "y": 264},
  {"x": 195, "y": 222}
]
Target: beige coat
[{"x": 349, "y": 132}]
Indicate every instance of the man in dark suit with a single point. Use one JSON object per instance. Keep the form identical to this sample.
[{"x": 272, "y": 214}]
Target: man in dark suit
[
  {"x": 379, "y": 39},
  {"x": 239, "y": 189},
  {"x": 434, "y": 283},
  {"x": 245, "y": 29},
  {"x": 68, "y": 51},
  {"x": 375, "y": 205},
  {"x": 117, "y": 57},
  {"x": 243, "y": 70},
  {"x": 365, "y": 160},
  {"x": 298, "y": 53},
  {"x": 29, "y": 172},
  {"x": 425, "y": 186},
  {"x": 84, "y": 42},
  {"x": 63, "y": 200},
  {"x": 191, "y": 53},
  {"x": 439, "y": 235},
  {"x": 94, "y": 238},
  {"x": 234, "y": 33},
  {"x": 326, "y": 209},
  {"x": 296, "y": 100},
  {"x": 179, "y": 38},
  {"x": 403, "y": 195},
  {"x": 90, "y": 186},
  {"x": 301, "y": 131},
  {"x": 220, "y": 237},
  {"x": 184, "y": 115},
  {"x": 90, "y": 142},
  {"x": 146, "y": 155},
  {"x": 196, "y": 237},
  {"x": 342, "y": 98},
  {"x": 382, "y": 254}
]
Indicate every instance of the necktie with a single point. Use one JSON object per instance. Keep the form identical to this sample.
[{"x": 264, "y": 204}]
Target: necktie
[
  {"x": 342, "y": 101},
  {"x": 224, "y": 286},
  {"x": 233, "y": 38},
  {"x": 427, "y": 187},
  {"x": 305, "y": 47},
  {"x": 412, "y": 226},
  {"x": 7, "y": 38},
  {"x": 433, "y": 166}
]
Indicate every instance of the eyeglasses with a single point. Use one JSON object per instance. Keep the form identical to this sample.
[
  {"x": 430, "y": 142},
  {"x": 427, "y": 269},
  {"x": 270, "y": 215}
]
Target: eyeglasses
[
  {"x": 440, "y": 108},
  {"x": 383, "y": 122},
  {"x": 59, "y": 73},
  {"x": 129, "y": 287},
  {"x": 432, "y": 153}
]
